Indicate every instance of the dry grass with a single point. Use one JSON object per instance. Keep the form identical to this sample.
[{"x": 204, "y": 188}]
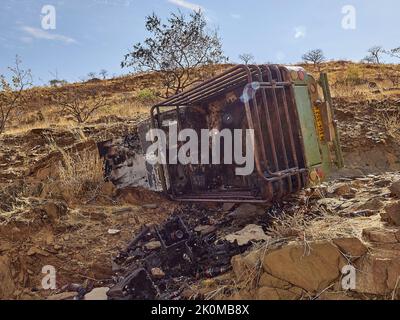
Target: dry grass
[
  {"x": 125, "y": 109},
  {"x": 286, "y": 225},
  {"x": 331, "y": 226},
  {"x": 81, "y": 175},
  {"x": 391, "y": 122}
]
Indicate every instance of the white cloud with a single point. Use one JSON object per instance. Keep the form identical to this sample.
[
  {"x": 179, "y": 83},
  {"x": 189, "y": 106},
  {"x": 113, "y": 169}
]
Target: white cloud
[
  {"x": 187, "y": 5},
  {"x": 45, "y": 35},
  {"x": 235, "y": 16},
  {"x": 300, "y": 32}
]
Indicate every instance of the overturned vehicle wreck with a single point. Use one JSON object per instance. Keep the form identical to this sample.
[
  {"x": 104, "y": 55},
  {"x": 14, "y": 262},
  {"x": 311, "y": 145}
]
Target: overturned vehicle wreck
[{"x": 293, "y": 140}]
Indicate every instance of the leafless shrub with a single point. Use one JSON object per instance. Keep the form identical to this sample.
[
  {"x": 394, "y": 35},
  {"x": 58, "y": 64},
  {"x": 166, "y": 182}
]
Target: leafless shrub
[
  {"x": 81, "y": 106},
  {"x": 12, "y": 93}
]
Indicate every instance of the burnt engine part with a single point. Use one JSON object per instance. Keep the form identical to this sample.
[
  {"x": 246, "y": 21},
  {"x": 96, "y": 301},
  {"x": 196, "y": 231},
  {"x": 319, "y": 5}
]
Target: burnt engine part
[
  {"x": 137, "y": 285},
  {"x": 182, "y": 253}
]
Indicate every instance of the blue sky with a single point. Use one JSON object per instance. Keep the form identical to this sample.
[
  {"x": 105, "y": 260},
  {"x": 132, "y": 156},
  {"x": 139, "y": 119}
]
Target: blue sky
[{"x": 91, "y": 35}]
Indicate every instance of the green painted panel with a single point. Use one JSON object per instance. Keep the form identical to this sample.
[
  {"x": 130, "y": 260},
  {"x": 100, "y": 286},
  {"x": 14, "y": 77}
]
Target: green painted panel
[{"x": 307, "y": 123}]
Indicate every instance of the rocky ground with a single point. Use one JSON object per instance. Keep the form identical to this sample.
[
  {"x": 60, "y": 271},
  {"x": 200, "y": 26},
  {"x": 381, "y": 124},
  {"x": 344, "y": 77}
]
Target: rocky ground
[{"x": 295, "y": 249}]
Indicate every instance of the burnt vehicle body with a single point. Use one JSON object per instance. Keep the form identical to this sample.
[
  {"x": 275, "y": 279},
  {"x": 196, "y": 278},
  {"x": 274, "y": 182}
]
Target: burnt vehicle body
[{"x": 295, "y": 139}]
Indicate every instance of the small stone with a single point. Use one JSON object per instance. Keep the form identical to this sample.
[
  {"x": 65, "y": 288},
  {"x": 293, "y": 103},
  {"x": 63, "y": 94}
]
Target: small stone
[
  {"x": 157, "y": 273},
  {"x": 97, "y": 294},
  {"x": 113, "y": 231},
  {"x": 153, "y": 245}
]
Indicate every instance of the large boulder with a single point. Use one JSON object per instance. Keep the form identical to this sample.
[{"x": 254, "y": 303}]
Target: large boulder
[
  {"x": 378, "y": 273},
  {"x": 382, "y": 235},
  {"x": 312, "y": 267},
  {"x": 392, "y": 213}
]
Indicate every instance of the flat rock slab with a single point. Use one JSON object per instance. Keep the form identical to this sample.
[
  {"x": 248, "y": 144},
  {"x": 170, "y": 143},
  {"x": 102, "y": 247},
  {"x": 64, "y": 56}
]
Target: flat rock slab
[{"x": 251, "y": 233}]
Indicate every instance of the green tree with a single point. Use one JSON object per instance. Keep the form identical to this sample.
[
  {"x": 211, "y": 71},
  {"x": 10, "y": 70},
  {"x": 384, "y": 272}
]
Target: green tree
[{"x": 175, "y": 49}]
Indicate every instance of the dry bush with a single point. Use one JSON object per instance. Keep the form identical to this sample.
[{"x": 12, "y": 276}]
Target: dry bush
[
  {"x": 286, "y": 225},
  {"x": 391, "y": 122},
  {"x": 81, "y": 175},
  {"x": 80, "y": 106}
]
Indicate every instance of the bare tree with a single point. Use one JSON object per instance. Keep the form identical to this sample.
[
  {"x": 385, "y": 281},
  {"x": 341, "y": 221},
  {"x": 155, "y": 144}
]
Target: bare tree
[
  {"x": 103, "y": 73},
  {"x": 80, "y": 105},
  {"x": 91, "y": 75},
  {"x": 176, "y": 49},
  {"x": 394, "y": 53},
  {"x": 246, "y": 58},
  {"x": 12, "y": 93},
  {"x": 315, "y": 56},
  {"x": 374, "y": 55}
]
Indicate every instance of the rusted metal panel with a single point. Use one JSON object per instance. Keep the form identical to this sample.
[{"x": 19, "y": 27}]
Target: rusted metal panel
[{"x": 308, "y": 126}]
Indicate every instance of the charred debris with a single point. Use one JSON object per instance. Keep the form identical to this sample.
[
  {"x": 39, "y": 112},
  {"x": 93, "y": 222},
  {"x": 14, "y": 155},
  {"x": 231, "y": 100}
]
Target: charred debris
[{"x": 162, "y": 261}]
